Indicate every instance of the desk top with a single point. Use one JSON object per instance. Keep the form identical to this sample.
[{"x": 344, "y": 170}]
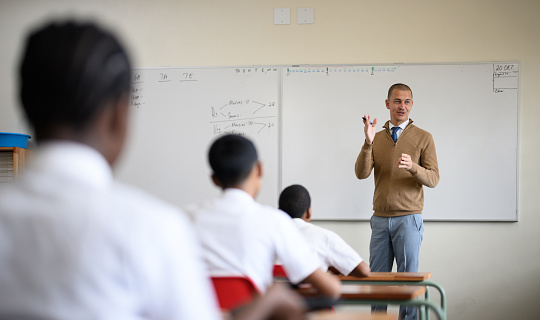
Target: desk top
[
  {"x": 390, "y": 276},
  {"x": 372, "y": 292},
  {"x": 350, "y": 315},
  {"x": 367, "y": 292}
]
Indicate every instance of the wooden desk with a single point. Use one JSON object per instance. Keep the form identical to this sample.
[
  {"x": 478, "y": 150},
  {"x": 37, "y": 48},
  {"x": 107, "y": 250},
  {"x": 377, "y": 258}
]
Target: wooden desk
[
  {"x": 353, "y": 293},
  {"x": 390, "y": 276},
  {"x": 401, "y": 278},
  {"x": 369, "y": 292},
  {"x": 350, "y": 315}
]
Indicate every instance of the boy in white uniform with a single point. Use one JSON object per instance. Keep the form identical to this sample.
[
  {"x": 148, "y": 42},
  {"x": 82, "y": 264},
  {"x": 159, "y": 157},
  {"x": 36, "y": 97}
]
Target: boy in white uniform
[
  {"x": 332, "y": 250},
  {"x": 74, "y": 243},
  {"x": 242, "y": 237}
]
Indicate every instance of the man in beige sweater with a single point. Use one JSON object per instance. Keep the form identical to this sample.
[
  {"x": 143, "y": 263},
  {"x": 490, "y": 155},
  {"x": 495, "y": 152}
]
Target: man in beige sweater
[{"x": 404, "y": 160}]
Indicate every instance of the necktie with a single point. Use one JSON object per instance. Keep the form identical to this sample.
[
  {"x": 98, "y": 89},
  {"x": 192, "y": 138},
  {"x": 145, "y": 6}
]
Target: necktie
[{"x": 394, "y": 133}]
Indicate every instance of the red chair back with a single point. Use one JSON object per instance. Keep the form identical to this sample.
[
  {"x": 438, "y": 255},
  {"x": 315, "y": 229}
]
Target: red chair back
[
  {"x": 234, "y": 291},
  {"x": 279, "y": 272}
]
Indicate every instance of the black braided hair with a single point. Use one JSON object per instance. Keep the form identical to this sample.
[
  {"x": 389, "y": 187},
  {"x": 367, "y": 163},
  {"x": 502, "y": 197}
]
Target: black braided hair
[{"x": 69, "y": 71}]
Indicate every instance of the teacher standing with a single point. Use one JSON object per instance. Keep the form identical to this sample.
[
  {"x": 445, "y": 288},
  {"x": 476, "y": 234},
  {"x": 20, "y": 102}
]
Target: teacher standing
[{"x": 404, "y": 160}]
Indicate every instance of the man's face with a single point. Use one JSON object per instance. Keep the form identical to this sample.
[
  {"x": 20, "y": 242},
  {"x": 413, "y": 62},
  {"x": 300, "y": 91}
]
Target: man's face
[{"x": 400, "y": 104}]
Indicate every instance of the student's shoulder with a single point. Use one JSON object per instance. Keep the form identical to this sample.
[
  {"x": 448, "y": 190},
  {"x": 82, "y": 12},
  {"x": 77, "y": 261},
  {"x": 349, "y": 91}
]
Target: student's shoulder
[
  {"x": 323, "y": 235},
  {"x": 138, "y": 197},
  {"x": 142, "y": 206},
  {"x": 273, "y": 215},
  {"x": 329, "y": 234}
]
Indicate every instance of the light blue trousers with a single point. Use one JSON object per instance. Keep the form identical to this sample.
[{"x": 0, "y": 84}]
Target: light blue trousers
[{"x": 399, "y": 238}]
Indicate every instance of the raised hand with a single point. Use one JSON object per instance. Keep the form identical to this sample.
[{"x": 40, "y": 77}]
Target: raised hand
[{"x": 369, "y": 128}]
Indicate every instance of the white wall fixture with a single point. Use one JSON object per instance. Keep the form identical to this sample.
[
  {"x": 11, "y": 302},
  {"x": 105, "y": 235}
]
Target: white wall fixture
[
  {"x": 282, "y": 15},
  {"x": 305, "y": 15}
]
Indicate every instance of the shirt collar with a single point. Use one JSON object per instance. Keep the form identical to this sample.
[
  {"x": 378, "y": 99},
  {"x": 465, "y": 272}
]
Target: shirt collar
[
  {"x": 402, "y": 126},
  {"x": 72, "y": 161},
  {"x": 237, "y": 194}
]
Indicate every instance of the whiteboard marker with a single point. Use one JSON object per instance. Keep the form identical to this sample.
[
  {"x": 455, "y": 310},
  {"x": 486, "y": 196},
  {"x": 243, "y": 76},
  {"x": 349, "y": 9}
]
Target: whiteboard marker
[{"x": 364, "y": 118}]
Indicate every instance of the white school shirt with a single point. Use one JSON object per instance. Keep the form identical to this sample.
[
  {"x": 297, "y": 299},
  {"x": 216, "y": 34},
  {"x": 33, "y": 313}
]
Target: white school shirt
[
  {"x": 331, "y": 249},
  {"x": 242, "y": 237},
  {"x": 74, "y": 244}
]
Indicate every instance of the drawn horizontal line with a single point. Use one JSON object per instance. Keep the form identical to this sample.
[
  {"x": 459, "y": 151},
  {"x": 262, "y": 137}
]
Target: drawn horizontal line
[
  {"x": 187, "y": 80},
  {"x": 242, "y": 119},
  {"x": 164, "y": 81}
]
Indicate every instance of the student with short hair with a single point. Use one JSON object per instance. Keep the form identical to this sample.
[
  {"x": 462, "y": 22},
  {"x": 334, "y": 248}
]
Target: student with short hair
[
  {"x": 331, "y": 249},
  {"x": 242, "y": 237},
  {"x": 75, "y": 243}
]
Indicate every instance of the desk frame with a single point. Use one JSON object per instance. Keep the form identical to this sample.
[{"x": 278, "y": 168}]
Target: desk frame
[
  {"x": 440, "y": 311},
  {"x": 424, "y": 305}
]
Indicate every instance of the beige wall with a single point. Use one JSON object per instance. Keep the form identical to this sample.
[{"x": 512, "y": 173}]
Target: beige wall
[{"x": 489, "y": 270}]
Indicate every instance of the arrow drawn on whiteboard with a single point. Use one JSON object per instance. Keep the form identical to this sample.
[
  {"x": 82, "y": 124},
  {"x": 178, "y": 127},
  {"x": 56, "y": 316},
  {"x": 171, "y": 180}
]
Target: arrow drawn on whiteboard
[
  {"x": 263, "y": 126},
  {"x": 223, "y": 107},
  {"x": 263, "y": 105}
]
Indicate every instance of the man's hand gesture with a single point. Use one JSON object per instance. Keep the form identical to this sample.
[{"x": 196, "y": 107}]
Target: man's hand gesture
[{"x": 369, "y": 128}]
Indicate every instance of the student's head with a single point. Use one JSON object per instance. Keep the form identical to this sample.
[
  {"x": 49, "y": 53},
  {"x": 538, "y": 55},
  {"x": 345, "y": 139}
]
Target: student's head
[
  {"x": 399, "y": 102},
  {"x": 295, "y": 201},
  {"x": 74, "y": 84},
  {"x": 234, "y": 161}
]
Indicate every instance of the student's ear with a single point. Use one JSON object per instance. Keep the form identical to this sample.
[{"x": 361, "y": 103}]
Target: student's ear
[
  {"x": 216, "y": 181},
  {"x": 307, "y": 215},
  {"x": 259, "y": 169},
  {"x": 112, "y": 126},
  {"x": 120, "y": 121}
]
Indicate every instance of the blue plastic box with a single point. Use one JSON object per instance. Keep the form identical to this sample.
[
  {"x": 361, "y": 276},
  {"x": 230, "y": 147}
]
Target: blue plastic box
[{"x": 8, "y": 139}]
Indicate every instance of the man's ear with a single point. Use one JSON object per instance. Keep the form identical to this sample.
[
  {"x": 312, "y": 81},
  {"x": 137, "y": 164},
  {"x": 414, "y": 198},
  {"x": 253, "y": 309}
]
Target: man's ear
[
  {"x": 216, "y": 181},
  {"x": 387, "y": 104}
]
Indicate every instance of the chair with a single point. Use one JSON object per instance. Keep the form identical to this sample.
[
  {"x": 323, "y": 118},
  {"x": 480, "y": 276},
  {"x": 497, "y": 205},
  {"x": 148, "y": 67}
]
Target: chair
[
  {"x": 279, "y": 272},
  {"x": 234, "y": 291}
]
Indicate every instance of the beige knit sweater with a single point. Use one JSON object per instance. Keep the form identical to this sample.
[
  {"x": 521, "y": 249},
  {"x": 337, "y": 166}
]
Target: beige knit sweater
[{"x": 399, "y": 192}]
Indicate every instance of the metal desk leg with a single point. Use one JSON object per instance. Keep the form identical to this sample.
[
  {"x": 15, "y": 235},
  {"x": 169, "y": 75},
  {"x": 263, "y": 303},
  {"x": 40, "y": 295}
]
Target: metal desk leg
[{"x": 427, "y": 299}]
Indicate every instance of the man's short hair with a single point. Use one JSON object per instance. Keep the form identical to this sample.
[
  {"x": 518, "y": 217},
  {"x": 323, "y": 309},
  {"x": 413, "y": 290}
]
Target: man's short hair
[
  {"x": 399, "y": 86},
  {"x": 69, "y": 71},
  {"x": 232, "y": 158},
  {"x": 295, "y": 200}
]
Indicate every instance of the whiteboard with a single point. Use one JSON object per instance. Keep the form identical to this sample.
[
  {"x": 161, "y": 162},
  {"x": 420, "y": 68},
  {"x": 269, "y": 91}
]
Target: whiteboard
[
  {"x": 178, "y": 112},
  {"x": 470, "y": 109}
]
